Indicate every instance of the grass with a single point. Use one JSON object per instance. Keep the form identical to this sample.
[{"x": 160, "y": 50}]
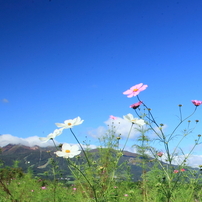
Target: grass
[{"x": 27, "y": 188}]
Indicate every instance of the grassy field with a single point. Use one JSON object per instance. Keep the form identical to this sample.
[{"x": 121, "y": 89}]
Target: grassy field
[{"x": 28, "y": 189}]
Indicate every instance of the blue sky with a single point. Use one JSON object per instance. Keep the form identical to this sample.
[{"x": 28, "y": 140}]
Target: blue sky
[{"x": 61, "y": 59}]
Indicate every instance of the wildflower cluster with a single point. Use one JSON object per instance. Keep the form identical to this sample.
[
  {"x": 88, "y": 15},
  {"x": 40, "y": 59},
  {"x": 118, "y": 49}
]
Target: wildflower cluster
[
  {"x": 68, "y": 151},
  {"x": 144, "y": 122}
]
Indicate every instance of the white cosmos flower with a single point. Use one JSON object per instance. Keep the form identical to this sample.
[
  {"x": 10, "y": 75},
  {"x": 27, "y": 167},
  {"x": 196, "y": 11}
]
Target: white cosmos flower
[
  {"x": 70, "y": 123},
  {"x": 129, "y": 117},
  {"x": 68, "y": 151},
  {"x": 55, "y": 133}
]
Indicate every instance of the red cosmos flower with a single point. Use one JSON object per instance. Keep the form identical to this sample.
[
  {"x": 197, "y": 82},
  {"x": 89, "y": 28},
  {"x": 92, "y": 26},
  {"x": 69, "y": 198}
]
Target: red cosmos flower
[
  {"x": 182, "y": 169},
  {"x": 196, "y": 102},
  {"x": 136, "y": 105}
]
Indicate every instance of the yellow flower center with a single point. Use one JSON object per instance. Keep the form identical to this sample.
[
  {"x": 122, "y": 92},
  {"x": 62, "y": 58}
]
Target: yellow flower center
[
  {"x": 135, "y": 90},
  {"x": 67, "y": 151},
  {"x": 69, "y": 124}
]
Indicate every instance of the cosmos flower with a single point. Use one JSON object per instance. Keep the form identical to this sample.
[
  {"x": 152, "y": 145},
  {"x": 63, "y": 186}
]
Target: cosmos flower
[
  {"x": 182, "y": 169},
  {"x": 135, "y": 90},
  {"x": 68, "y": 151},
  {"x": 70, "y": 123},
  {"x": 136, "y": 105},
  {"x": 160, "y": 154},
  {"x": 52, "y": 135},
  {"x": 176, "y": 171},
  {"x": 129, "y": 117},
  {"x": 196, "y": 102},
  {"x": 112, "y": 117}
]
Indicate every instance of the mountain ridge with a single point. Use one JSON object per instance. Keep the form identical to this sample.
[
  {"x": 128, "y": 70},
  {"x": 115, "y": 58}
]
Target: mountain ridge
[{"x": 38, "y": 159}]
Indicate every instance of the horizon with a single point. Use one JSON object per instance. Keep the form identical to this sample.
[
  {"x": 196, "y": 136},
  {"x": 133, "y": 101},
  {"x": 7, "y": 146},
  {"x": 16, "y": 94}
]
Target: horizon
[{"x": 192, "y": 163}]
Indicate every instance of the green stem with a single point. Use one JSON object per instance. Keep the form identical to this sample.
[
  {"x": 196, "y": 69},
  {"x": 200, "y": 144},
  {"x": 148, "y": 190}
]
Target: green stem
[
  {"x": 81, "y": 147},
  {"x": 94, "y": 191},
  {"x": 127, "y": 137},
  {"x": 181, "y": 123},
  {"x": 54, "y": 143},
  {"x": 76, "y": 176}
]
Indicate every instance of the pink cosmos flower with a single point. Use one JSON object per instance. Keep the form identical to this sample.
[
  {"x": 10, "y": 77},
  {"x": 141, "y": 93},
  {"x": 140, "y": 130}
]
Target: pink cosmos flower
[
  {"x": 196, "y": 102},
  {"x": 135, "y": 90},
  {"x": 182, "y": 170},
  {"x": 112, "y": 117},
  {"x": 125, "y": 194},
  {"x": 43, "y": 188},
  {"x": 136, "y": 105},
  {"x": 74, "y": 188},
  {"x": 160, "y": 154},
  {"x": 176, "y": 171}
]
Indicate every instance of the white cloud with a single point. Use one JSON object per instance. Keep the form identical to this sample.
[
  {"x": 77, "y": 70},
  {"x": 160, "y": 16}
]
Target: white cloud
[
  {"x": 121, "y": 126},
  {"x": 98, "y": 132},
  {"x": 4, "y": 100},
  {"x": 88, "y": 146},
  {"x": 153, "y": 135},
  {"x": 193, "y": 160},
  {"x": 6, "y": 139}
]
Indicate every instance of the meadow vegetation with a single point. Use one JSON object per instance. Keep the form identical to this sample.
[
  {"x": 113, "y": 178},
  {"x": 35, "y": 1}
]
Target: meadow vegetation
[{"x": 102, "y": 177}]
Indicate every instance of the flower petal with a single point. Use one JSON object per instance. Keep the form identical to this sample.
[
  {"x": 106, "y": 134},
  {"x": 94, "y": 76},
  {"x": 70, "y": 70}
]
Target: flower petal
[
  {"x": 59, "y": 153},
  {"x": 136, "y": 86},
  {"x": 127, "y": 92},
  {"x": 66, "y": 146},
  {"x": 70, "y": 123},
  {"x": 60, "y": 124},
  {"x": 143, "y": 87},
  {"x": 74, "y": 148}
]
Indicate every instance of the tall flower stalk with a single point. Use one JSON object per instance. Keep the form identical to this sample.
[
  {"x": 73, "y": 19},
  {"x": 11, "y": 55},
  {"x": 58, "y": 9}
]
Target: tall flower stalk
[{"x": 152, "y": 124}]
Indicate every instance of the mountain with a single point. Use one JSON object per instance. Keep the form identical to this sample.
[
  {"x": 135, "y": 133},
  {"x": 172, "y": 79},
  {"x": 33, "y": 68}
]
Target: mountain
[
  {"x": 38, "y": 159},
  {"x": 10, "y": 148}
]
